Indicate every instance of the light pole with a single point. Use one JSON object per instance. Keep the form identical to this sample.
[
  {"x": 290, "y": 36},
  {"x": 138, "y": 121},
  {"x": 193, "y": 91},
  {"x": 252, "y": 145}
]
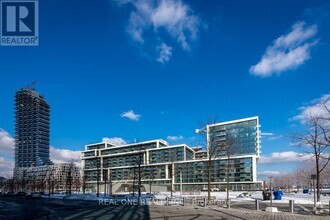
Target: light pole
[{"x": 271, "y": 191}]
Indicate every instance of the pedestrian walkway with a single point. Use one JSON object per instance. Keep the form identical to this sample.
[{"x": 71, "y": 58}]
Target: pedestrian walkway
[
  {"x": 238, "y": 214},
  {"x": 200, "y": 213}
]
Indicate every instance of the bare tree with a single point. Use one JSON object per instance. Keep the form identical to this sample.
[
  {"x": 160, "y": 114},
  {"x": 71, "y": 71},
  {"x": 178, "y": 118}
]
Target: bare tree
[
  {"x": 11, "y": 185},
  {"x": 304, "y": 172},
  {"x": 83, "y": 182},
  {"x": 2, "y": 183},
  {"x": 216, "y": 147},
  {"x": 137, "y": 162},
  {"x": 226, "y": 147},
  {"x": 211, "y": 152},
  {"x": 77, "y": 184},
  {"x": 316, "y": 141},
  {"x": 69, "y": 178},
  {"x": 151, "y": 173},
  {"x": 172, "y": 158}
]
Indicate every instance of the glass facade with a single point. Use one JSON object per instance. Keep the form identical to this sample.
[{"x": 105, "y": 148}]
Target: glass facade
[
  {"x": 164, "y": 155},
  {"x": 240, "y": 170},
  {"x": 89, "y": 154},
  {"x": 126, "y": 149},
  {"x": 163, "y": 163},
  {"x": 94, "y": 163},
  {"x": 189, "y": 154},
  {"x": 97, "y": 146},
  {"x": 123, "y": 160},
  {"x": 244, "y": 136},
  {"x": 154, "y": 172}
]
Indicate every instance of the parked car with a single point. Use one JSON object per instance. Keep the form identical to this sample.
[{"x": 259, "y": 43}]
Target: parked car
[
  {"x": 149, "y": 196},
  {"x": 325, "y": 192},
  {"x": 32, "y": 196},
  {"x": 36, "y": 195},
  {"x": 215, "y": 190}
]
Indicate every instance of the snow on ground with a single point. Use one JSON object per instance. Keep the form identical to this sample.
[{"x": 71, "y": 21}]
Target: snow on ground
[
  {"x": 93, "y": 197},
  {"x": 299, "y": 198}
]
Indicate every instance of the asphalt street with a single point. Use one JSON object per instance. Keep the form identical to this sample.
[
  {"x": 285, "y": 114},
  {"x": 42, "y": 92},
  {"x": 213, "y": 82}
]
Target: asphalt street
[{"x": 20, "y": 208}]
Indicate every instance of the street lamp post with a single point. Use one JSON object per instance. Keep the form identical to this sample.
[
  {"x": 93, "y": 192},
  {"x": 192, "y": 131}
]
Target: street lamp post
[{"x": 271, "y": 191}]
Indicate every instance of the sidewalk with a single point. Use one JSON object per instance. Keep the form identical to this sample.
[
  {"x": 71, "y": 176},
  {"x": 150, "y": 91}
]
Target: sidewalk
[
  {"x": 238, "y": 214},
  {"x": 193, "y": 212}
]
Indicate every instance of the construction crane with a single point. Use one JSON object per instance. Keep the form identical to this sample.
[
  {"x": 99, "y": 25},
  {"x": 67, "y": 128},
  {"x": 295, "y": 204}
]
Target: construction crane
[{"x": 30, "y": 86}]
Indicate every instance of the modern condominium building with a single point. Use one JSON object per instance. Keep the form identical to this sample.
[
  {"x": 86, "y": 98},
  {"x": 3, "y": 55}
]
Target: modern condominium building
[
  {"x": 116, "y": 168},
  {"x": 242, "y": 135},
  {"x": 31, "y": 129},
  {"x": 49, "y": 178}
]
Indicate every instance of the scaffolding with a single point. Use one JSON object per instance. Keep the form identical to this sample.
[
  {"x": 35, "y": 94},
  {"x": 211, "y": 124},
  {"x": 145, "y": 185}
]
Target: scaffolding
[{"x": 32, "y": 128}]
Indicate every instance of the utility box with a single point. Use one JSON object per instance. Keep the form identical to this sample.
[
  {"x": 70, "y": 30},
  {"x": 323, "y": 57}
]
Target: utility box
[{"x": 266, "y": 195}]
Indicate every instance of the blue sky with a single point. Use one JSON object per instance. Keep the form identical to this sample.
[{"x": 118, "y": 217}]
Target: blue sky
[{"x": 171, "y": 65}]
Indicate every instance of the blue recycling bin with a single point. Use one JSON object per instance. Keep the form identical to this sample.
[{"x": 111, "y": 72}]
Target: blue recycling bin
[{"x": 278, "y": 195}]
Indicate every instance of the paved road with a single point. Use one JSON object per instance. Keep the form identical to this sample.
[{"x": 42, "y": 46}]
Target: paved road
[{"x": 20, "y": 208}]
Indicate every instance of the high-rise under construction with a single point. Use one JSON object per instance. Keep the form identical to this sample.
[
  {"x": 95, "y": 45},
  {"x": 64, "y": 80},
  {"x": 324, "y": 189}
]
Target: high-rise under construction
[{"x": 32, "y": 126}]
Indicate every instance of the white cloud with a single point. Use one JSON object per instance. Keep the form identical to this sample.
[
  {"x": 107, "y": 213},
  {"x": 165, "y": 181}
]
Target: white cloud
[
  {"x": 177, "y": 19},
  {"x": 6, "y": 167},
  {"x": 150, "y": 19},
  {"x": 267, "y": 134},
  {"x": 65, "y": 156},
  {"x": 287, "y": 52},
  {"x": 314, "y": 108},
  {"x": 130, "y": 115},
  {"x": 284, "y": 157},
  {"x": 174, "y": 138},
  {"x": 294, "y": 144},
  {"x": 273, "y": 138},
  {"x": 114, "y": 140},
  {"x": 6, "y": 142},
  {"x": 165, "y": 53},
  {"x": 6, "y": 150},
  {"x": 269, "y": 173}
]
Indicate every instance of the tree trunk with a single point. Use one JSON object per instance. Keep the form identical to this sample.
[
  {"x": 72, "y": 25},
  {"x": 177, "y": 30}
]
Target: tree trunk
[
  {"x": 318, "y": 180},
  {"x": 139, "y": 180}
]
